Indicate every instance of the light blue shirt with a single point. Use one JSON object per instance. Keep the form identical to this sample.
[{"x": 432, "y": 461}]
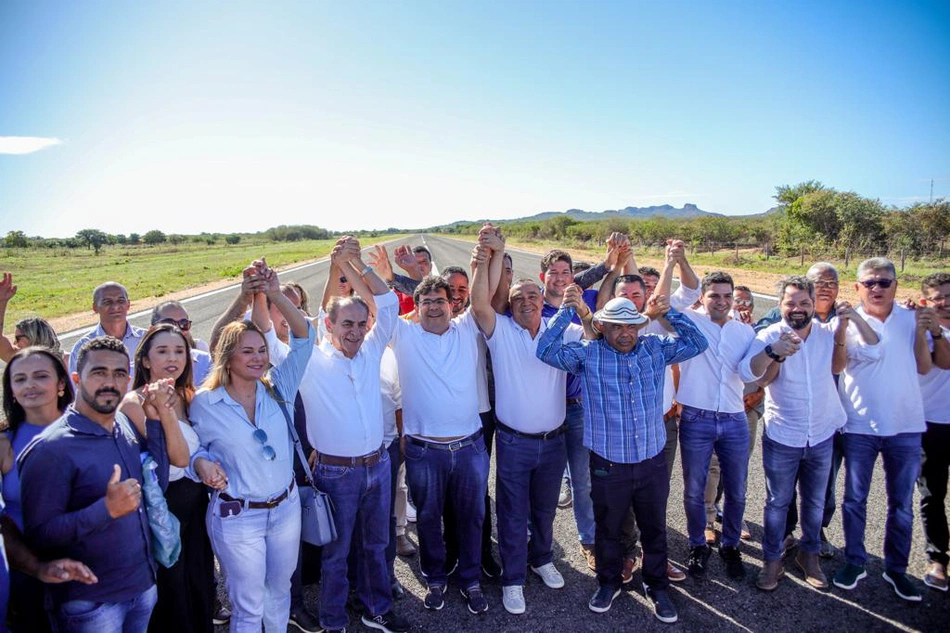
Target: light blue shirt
[
  {"x": 226, "y": 433},
  {"x": 133, "y": 336}
]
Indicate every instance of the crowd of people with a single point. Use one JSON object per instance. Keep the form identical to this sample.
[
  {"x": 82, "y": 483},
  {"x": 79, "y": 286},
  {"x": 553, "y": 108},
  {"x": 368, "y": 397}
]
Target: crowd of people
[{"x": 400, "y": 386}]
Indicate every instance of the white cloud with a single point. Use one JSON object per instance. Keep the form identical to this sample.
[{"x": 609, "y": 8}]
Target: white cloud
[{"x": 25, "y": 144}]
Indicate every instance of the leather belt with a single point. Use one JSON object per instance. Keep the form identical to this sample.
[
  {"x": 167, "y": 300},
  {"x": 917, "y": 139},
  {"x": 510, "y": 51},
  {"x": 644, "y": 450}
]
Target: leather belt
[
  {"x": 370, "y": 459},
  {"x": 571, "y": 401},
  {"x": 270, "y": 504},
  {"x": 549, "y": 435},
  {"x": 449, "y": 446}
]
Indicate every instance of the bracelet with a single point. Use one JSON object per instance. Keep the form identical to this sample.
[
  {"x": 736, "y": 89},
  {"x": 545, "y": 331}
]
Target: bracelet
[
  {"x": 366, "y": 271},
  {"x": 837, "y": 344}
]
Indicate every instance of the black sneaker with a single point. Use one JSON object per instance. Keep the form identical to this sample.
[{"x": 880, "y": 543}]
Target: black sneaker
[
  {"x": 490, "y": 566},
  {"x": 435, "y": 599},
  {"x": 304, "y": 620},
  {"x": 696, "y": 563},
  {"x": 399, "y": 592},
  {"x": 663, "y": 607},
  {"x": 389, "y": 622},
  {"x": 733, "y": 560},
  {"x": 475, "y": 599},
  {"x": 601, "y": 601}
]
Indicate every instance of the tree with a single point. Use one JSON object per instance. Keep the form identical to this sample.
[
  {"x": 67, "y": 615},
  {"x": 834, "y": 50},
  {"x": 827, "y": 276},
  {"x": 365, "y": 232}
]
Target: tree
[
  {"x": 153, "y": 237},
  {"x": 134, "y": 238},
  {"x": 860, "y": 220},
  {"x": 787, "y": 194},
  {"x": 93, "y": 238},
  {"x": 232, "y": 239},
  {"x": 16, "y": 239}
]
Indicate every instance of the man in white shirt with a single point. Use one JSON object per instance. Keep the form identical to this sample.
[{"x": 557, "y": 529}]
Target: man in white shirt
[
  {"x": 530, "y": 431},
  {"x": 341, "y": 393},
  {"x": 935, "y": 390},
  {"x": 713, "y": 419},
  {"x": 111, "y": 302},
  {"x": 885, "y": 414},
  {"x": 796, "y": 360},
  {"x": 445, "y": 451}
]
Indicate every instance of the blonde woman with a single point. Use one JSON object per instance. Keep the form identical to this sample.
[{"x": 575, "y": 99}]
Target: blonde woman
[{"x": 246, "y": 455}]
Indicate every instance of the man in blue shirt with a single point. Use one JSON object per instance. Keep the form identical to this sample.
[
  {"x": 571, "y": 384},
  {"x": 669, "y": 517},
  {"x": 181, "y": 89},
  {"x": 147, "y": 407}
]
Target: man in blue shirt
[
  {"x": 622, "y": 378},
  {"x": 82, "y": 499}
]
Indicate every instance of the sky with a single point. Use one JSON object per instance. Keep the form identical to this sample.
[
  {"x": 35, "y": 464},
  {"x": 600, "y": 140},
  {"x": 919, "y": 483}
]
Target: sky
[{"x": 238, "y": 116}]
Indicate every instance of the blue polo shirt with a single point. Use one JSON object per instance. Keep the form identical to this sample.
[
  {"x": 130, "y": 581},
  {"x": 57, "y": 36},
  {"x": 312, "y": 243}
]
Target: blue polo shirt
[{"x": 64, "y": 473}]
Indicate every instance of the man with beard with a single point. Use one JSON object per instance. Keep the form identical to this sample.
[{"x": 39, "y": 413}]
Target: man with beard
[
  {"x": 795, "y": 361},
  {"x": 81, "y": 484},
  {"x": 935, "y": 389},
  {"x": 885, "y": 416}
]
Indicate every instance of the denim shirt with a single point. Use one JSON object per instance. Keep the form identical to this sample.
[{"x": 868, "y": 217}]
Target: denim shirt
[{"x": 64, "y": 474}]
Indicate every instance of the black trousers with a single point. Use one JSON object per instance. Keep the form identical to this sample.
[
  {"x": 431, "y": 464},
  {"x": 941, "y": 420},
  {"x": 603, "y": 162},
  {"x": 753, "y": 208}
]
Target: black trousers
[
  {"x": 186, "y": 590},
  {"x": 932, "y": 486},
  {"x": 614, "y": 489}
]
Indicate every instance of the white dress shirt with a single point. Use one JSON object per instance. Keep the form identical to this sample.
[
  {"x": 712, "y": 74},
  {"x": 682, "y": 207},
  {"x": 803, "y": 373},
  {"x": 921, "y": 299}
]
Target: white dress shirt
[
  {"x": 390, "y": 395},
  {"x": 935, "y": 389},
  {"x": 529, "y": 394},
  {"x": 802, "y": 407},
  {"x": 342, "y": 395},
  {"x": 711, "y": 380},
  {"x": 438, "y": 375},
  {"x": 680, "y": 300},
  {"x": 882, "y": 396}
]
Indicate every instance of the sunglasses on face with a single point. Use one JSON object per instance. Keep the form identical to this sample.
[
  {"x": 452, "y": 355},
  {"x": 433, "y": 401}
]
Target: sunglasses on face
[
  {"x": 742, "y": 302},
  {"x": 183, "y": 324},
  {"x": 269, "y": 453},
  {"x": 826, "y": 284},
  {"x": 883, "y": 283}
]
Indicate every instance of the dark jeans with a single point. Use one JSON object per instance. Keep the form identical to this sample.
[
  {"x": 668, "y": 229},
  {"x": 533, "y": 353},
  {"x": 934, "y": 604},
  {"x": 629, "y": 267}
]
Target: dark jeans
[
  {"x": 83, "y": 616},
  {"x": 361, "y": 503},
  {"x": 435, "y": 474},
  {"x": 932, "y": 485},
  {"x": 527, "y": 485},
  {"x": 631, "y": 535},
  {"x": 901, "y": 456},
  {"x": 614, "y": 489},
  {"x": 450, "y": 527},
  {"x": 837, "y": 456}
]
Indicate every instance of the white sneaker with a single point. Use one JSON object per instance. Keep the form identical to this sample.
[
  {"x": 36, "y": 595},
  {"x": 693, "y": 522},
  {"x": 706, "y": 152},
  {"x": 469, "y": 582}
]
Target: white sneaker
[
  {"x": 550, "y": 575},
  {"x": 410, "y": 513},
  {"x": 513, "y": 599}
]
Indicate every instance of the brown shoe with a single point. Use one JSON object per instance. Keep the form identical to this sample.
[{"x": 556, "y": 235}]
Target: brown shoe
[
  {"x": 673, "y": 573},
  {"x": 630, "y": 565},
  {"x": 809, "y": 564},
  {"x": 745, "y": 535},
  {"x": 936, "y": 577},
  {"x": 772, "y": 572},
  {"x": 711, "y": 535},
  {"x": 587, "y": 551},
  {"x": 404, "y": 546}
]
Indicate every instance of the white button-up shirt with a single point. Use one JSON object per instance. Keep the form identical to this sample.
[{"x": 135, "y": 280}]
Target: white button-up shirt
[
  {"x": 882, "y": 396},
  {"x": 133, "y": 336},
  {"x": 529, "y": 394},
  {"x": 342, "y": 395},
  {"x": 935, "y": 389},
  {"x": 681, "y": 299},
  {"x": 438, "y": 376},
  {"x": 390, "y": 395},
  {"x": 711, "y": 380},
  {"x": 802, "y": 407}
]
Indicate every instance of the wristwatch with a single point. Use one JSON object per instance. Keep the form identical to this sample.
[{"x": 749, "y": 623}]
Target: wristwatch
[{"x": 771, "y": 354}]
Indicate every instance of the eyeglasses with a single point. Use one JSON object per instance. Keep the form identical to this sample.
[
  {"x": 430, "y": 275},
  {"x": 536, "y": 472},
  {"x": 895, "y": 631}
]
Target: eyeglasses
[
  {"x": 342, "y": 280},
  {"x": 883, "y": 283},
  {"x": 425, "y": 303},
  {"x": 743, "y": 302},
  {"x": 831, "y": 285},
  {"x": 269, "y": 453},
  {"x": 183, "y": 324}
]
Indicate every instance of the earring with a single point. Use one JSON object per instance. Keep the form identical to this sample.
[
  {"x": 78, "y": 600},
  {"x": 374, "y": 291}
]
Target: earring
[{"x": 61, "y": 393}]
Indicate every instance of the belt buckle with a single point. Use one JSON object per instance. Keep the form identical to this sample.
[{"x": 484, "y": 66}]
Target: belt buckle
[{"x": 455, "y": 446}]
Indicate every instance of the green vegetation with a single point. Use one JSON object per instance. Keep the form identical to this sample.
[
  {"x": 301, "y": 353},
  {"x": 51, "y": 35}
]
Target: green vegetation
[{"x": 57, "y": 281}]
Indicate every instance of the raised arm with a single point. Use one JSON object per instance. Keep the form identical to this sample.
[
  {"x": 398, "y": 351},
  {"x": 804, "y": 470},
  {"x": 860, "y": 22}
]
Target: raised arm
[
  {"x": 554, "y": 351},
  {"x": 296, "y": 319},
  {"x": 7, "y": 292},
  {"x": 481, "y": 297},
  {"x": 251, "y": 283},
  {"x": 364, "y": 279}
]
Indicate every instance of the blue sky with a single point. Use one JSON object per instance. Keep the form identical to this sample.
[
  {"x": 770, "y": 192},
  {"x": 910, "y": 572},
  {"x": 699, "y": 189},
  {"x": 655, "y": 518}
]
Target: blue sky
[{"x": 199, "y": 116}]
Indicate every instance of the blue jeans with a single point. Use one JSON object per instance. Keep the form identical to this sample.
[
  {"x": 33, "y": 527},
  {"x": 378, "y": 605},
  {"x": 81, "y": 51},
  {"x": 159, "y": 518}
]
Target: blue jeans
[
  {"x": 901, "y": 455},
  {"x": 701, "y": 433},
  {"x": 527, "y": 484},
  {"x": 578, "y": 462},
  {"x": 361, "y": 498},
  {"x": 783, "y": 466},
  {"x": 83, "y": 616},
  {"x": 258, "y": 550},
  {"x": 433, "y": 475}
]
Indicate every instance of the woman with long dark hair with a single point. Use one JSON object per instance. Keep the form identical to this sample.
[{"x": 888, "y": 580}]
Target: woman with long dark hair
[
  {"x": 36, "y": 391},
  {"x": 186, "y": 589}
]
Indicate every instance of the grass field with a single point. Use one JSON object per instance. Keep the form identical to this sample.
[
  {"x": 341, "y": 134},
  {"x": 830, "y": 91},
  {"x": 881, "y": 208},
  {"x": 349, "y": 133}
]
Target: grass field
[{"x": 54, "y": 283}]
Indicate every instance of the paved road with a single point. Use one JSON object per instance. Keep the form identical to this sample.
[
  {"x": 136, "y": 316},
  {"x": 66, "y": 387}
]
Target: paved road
[{"x": 718, "y": 604}]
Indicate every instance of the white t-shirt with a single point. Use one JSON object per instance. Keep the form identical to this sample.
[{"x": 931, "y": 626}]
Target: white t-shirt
[{"x": 935, "y": 389}]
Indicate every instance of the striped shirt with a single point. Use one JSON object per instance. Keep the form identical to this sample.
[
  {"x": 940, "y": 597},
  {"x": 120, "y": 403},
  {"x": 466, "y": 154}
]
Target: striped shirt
[{"x": 623, "y": 393}]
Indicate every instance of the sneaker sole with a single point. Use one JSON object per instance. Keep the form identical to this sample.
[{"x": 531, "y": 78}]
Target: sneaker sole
[
  {"x": 548, "y": 585},
  {"x": 607, "y": 608},
  {"x": 859, "y": 578},
  {"x": 666, "y": 619},
  {"x": 932, "y": 585},
  {"x": 374, "y": 625},
  {"x": 438, "y": 608},
  {"x": 304, "y": 629},
  {"x": 890, "y": 581}
]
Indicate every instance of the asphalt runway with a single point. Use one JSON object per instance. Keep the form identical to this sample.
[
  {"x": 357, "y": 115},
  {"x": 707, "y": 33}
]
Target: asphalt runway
[{"x": 716, "y": 604}]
